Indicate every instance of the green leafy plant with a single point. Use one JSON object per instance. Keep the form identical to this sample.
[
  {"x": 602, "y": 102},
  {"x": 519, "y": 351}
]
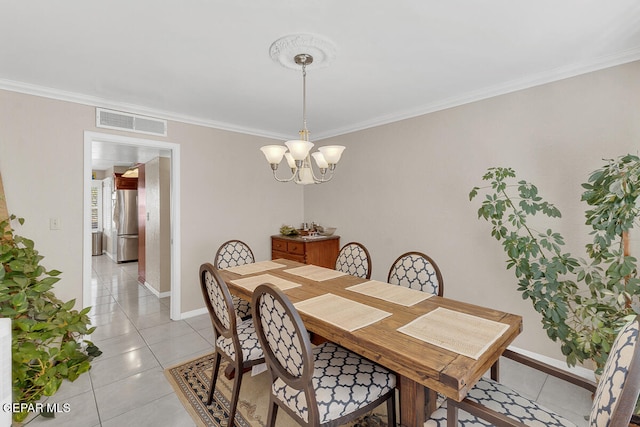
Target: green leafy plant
[
  {"x": 287, "y": 230},
  {"x": 47, "y": 344},
  {"x": 583, "y": 303}
]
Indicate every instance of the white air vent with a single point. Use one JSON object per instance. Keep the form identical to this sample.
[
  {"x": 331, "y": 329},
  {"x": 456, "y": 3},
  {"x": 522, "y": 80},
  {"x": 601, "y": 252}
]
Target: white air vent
[{"x": 130, "y": 122}]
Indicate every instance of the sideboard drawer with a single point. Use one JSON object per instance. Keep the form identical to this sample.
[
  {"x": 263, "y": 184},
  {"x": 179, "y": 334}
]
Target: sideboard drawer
[
  {"x": 295, "y": 248},
  {"x": 279, "y": 245}
]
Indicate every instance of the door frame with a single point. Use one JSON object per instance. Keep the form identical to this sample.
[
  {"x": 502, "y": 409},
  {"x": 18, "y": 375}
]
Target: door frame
[{"x": 89, "y": 137}]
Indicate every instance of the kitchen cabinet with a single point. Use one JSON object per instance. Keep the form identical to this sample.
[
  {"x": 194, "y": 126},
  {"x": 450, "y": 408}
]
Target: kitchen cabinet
[
  {"x": 122, "y": 183},
  {"x": 322, "y": 251}
]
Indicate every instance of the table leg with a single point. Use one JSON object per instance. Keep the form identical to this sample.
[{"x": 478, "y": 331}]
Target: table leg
[
  {"x": 413, "y": 403},
  {"x": 431, "y": 403}
]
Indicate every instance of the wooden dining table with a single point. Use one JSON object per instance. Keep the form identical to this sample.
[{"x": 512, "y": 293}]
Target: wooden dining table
[{"x": 422, "y": 368}]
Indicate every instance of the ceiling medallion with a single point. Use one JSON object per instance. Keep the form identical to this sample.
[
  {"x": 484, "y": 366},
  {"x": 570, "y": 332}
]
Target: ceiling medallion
[{"x": 285, "y": 49}]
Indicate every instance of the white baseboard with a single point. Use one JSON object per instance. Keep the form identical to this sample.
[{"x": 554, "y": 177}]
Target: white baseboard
[
  {"x": 156, "y": 292},
  {"x": 193, "y": 313}
]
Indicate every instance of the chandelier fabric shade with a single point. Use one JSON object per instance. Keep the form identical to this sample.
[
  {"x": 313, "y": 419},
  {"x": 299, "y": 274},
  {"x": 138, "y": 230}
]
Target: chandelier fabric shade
[{"x": 298, "y": 152}]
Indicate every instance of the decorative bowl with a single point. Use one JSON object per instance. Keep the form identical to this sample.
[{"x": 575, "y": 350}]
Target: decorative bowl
[{"x": 328, "y": 231}]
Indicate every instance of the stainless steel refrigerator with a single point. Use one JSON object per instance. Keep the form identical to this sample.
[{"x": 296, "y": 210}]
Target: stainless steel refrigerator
[{"x": 125, "y": 218}]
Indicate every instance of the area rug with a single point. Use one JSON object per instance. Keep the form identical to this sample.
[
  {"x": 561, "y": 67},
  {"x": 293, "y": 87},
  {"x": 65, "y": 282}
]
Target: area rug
[{"x": 191, "y": 381}]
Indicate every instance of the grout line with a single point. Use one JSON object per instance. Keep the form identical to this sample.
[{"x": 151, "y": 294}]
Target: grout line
[
  {"x": 137, "y": 329},
  {"x": 539, "y": 394},
  {"x": 95, "y": 399}
]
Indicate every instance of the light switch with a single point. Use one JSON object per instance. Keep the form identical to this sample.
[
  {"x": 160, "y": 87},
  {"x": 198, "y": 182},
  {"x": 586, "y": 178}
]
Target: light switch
[{"x": 54, "y": 223}]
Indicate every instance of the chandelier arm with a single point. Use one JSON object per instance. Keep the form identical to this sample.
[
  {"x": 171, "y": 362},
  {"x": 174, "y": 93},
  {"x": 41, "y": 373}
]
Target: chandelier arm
[
  {"x": 285, "y": 180},
  {"x": 313, "y": 175},
  {"x": 323, "y": 180}
]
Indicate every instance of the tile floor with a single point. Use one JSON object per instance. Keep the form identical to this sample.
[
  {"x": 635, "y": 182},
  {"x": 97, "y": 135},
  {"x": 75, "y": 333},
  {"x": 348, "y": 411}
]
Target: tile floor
[{"x": 126, "y": 385}]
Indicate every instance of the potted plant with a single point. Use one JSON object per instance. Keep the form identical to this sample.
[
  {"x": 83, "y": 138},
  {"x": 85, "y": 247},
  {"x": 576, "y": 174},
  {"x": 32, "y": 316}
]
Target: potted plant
[
  {"x": 47, "y": 334},
  {"x": 582, "y": 302}
]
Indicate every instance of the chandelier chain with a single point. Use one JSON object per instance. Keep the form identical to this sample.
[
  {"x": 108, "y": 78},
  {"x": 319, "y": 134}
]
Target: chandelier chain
[{"x": 304, "y": 101}]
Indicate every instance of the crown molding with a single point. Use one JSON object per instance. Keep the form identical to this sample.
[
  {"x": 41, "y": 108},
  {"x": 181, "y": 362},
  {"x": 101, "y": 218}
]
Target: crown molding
[
  {"x": 538, "y": 79},
  {"x": 60, "y": 95},
  {"x": 488, "y": 92}
]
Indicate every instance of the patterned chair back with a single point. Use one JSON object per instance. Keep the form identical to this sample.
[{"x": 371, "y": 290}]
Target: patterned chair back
[
  {"x": 233, "y": 253},
  {"x": 418, "y": 271},
  {"x": 284, "y": 340},
  {"x": 619, "y": 385},
  {"x": 354, "y": 259},
  {"x": 219, "y": 304}
]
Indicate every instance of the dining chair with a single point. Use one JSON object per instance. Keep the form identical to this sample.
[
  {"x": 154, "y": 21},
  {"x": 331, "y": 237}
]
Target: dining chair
[
  {"x": 233, "y": 253},
  {"x": 416, "y": 270},
  {"x": 326, "y": 385},
  {"x": 235, "y": 341},
  {"x": 492, "y": 403},
  {"x": 354, "y": 259}
]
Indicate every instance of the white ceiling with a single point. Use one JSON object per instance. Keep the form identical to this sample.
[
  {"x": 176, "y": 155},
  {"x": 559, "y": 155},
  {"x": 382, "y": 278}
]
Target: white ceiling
[
  {"x": 207, "y": 61},
  {"x": 105, "y": 155}
]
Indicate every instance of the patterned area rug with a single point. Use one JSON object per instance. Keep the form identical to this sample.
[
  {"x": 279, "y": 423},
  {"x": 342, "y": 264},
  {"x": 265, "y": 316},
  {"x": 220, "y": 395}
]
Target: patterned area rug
[{"x": 191, "y": 380}]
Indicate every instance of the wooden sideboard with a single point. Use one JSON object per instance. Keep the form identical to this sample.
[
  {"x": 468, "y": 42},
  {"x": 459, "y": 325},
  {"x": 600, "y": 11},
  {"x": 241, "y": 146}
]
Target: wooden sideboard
[{"x": 322, "y": 251}]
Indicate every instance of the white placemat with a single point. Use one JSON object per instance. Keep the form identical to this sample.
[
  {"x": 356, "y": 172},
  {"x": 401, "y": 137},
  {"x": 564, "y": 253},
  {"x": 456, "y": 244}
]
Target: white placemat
[
  {"x": 255, "y": 267},
  {"x": 315, "y": 272},
  {"x": 392, "y": 293},
  {"x": 459, "y": 332},
  {"x": 341, "y": 312},
  {"x": 251, "y": 283}
]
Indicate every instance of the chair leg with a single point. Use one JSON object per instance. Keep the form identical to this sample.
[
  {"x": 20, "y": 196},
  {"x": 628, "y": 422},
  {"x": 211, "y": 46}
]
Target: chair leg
[
  {"x": 391, "y": 409},
  {"x": 234, "y": 396},
  {"x": 214, "y": 378}
]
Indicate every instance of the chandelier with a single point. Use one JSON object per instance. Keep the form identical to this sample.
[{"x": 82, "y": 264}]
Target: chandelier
[{"x": 298, "y": 152}]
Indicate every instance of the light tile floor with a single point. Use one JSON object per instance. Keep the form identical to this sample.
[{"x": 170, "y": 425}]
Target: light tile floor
[{"x": 126, "y": 385}]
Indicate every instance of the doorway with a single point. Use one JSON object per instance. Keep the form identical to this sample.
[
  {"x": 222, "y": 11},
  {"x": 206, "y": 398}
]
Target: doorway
[{"x": 140, "y": 144}]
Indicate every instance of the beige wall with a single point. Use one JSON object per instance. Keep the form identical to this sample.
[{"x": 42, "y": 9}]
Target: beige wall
[
  {"x": 157, "y": 229},
  {"x": 399, "y": 187},
  {"x": 405, "y": 186},
  {"x": 165, "y": 224},
  {"x": 226, "y": 188}
]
